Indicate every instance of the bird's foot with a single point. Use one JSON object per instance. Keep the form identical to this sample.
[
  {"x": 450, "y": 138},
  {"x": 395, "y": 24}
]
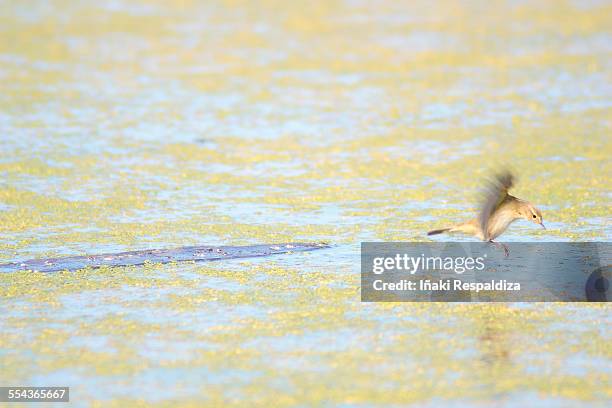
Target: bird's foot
[{"x": 505, "y": 248}]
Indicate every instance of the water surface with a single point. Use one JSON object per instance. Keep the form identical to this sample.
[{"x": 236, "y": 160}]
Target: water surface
[{"x": 136, "y": 125}]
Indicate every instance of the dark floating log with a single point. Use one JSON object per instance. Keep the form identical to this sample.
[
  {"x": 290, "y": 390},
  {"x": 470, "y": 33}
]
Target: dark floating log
[{"x": 132, "y": 258}]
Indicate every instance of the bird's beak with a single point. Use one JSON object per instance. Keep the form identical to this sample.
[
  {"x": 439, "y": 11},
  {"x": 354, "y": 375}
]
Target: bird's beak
[{"x": 542, "y": 224}]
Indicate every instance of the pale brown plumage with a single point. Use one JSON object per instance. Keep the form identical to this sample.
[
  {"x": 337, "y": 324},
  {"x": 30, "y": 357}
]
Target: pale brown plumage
[{"x": 499, "y": 209}]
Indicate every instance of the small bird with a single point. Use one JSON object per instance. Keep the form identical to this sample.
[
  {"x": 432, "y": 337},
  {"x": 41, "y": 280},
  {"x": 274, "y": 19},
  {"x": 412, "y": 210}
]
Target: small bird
[{"x": 499, "y": 210}]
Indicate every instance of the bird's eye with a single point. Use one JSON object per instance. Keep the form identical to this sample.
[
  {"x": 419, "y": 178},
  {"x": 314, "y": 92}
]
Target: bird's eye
[{"x": 534, "y": 215}]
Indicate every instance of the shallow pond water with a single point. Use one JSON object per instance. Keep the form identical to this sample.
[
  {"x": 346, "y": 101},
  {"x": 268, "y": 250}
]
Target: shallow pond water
[{"x": 137, "y": 125}]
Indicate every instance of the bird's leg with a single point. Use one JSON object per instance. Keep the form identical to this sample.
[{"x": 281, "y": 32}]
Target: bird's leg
[{"x": 499, "y": 244}]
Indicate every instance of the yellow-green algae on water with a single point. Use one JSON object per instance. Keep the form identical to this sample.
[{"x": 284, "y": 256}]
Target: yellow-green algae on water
[
  {"x": 282, "y": 336},
  {"x": 158, "y": 124}
]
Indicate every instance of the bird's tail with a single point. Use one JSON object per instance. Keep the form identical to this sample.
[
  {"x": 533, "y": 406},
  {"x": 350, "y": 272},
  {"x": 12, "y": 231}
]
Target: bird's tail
[{"x": 438, "y": 231}]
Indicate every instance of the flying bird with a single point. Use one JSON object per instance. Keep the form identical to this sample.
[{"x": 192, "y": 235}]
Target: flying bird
[{"x": 498, "y": 210}]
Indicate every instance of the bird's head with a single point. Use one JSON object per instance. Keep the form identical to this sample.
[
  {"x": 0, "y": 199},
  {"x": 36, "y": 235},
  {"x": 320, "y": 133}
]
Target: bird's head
[{"x": 531, "y": 213}]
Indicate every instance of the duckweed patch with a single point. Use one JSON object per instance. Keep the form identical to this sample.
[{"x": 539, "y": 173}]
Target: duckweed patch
[{"x": 159, "y": 124}]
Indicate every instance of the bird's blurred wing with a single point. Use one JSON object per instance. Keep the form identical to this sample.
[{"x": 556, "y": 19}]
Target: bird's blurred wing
[{"x": 495, "y": 194}]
